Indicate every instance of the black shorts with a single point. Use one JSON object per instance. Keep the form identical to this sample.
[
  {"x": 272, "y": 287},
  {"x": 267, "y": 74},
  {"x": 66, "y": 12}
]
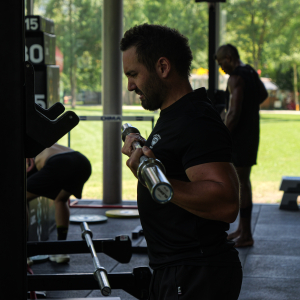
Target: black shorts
[
  {"x": 244, "y": 152},
  {"x": 196, "y": 283},
  {"x": 64, "y": 171}
]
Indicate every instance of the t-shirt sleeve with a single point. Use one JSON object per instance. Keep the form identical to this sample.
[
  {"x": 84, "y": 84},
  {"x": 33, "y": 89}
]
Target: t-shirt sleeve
[{"x": 204, "y": 139}]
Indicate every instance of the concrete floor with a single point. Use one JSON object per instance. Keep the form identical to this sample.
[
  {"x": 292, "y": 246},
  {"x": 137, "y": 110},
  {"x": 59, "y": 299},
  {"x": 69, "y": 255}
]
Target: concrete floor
[{"x": 271, "y": 267}]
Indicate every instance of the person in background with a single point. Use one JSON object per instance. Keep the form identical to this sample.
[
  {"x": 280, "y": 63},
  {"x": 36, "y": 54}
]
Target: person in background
[
  {"x": 57, "y": 173},
  {"x": 246, "y": 93}
]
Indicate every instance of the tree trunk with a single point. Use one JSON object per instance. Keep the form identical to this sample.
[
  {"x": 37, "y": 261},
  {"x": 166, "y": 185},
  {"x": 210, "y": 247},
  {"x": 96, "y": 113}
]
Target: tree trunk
[
  {"x": 253, "y": 43},
  {"x": 72, "y": 67},
  {"x": 74, "y": 83},
  {"x": 295, "y": 87}
]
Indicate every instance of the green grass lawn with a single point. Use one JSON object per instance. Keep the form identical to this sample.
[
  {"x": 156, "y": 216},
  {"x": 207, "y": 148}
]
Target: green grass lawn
[{"x": 277, "y": 157}]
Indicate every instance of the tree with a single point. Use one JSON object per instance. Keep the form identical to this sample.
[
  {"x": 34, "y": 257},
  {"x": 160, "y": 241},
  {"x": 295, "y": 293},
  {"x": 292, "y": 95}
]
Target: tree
[
  {"x": 254, "y": 24},
  {"x": 190, "y": 18}
]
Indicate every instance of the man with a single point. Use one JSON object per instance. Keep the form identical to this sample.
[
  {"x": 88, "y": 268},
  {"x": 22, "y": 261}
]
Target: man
[
  {"x": 57, "y": 173},
  {"x": 186, "y": 238},
  {"x": 247, "y": 92}
]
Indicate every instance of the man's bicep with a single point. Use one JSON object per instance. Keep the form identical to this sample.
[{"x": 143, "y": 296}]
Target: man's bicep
[{"x": 221, "y": 172}]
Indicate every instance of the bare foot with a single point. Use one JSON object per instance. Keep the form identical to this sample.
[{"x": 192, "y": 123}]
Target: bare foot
[
  {"x": 243, "y": 242},
  {"x": 234, "y": 235}
]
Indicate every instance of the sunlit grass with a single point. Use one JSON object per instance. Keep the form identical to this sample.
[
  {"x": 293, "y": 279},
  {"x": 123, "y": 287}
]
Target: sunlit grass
[{"x": 278, "y": 155}]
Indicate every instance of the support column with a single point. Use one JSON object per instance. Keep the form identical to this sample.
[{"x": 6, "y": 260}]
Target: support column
[
  {"x": 29, "y": 6},
  {"x": 112, "y": 99},
  {"x": 213, "y": 44},
  {"x": 12, "y": 123}
]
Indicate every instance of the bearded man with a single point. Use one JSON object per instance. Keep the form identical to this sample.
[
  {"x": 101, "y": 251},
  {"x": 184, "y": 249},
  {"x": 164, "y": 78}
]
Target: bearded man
[{"x": 186, "y": 238}]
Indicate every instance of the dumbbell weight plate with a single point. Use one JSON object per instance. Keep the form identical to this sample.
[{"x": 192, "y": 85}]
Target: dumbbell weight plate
[
  {"x": 39, "y": 258},
  {"x": 122, "y": 213},
  {"x": 88, "y": 218}
]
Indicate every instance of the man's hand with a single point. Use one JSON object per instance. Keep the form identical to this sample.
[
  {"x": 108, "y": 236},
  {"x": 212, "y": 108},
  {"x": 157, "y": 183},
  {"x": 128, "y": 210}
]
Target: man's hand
[
  {"x": 134, "y": 160},
  {"x": 127, "y": 148},
  {"x": 135, "y": 154}
]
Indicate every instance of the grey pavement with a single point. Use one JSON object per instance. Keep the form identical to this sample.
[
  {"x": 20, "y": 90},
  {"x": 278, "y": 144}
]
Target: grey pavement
[{"x": 271, "y": 267}]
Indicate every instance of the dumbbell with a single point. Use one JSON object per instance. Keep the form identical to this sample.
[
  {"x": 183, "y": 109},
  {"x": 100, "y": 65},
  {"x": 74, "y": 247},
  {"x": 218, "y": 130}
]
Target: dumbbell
[
  {"x": 151, "y": 172},
  {"x": 100, "y": 273}
]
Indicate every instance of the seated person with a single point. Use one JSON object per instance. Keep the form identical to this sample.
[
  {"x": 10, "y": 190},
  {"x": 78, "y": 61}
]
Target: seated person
[{"x": 57, "y": 173}]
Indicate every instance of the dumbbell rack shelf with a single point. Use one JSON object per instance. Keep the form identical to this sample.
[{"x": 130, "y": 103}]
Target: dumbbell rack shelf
[
  {"x": 135, "y": 283},
  {"x": 119, "y": 248}
]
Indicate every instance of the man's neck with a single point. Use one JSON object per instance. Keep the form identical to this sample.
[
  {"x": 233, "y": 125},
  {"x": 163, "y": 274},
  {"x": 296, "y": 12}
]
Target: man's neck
[
  {"x": 238, "y": 63},
  {"x": 177, "y": 90}
]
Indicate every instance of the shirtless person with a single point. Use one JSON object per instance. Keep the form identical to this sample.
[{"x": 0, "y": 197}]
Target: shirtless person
[
  {"x": 246, "y": 92},
  {"x": 57, "y": 173}
]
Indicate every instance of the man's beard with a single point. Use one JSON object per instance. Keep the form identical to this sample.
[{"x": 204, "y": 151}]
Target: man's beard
[{"x": 154, "y": 93}]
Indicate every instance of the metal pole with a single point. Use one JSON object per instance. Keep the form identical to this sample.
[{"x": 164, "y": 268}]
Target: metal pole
[
  {"x": 217, "y": 41},
  {"x": 29, "y": 6},
  {"x": 223, "y": 20},
  {"x": 112, "y": 100},
  {"x": 100, "y": 273},
  {"x": 213, "y": 42}
]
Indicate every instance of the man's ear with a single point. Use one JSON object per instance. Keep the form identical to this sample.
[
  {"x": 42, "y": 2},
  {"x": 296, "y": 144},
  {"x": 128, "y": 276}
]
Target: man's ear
[
  {"x": 229, "y": 58},
  {"x": 29, "y": 164},
  {"x": 163, "y": 67}
]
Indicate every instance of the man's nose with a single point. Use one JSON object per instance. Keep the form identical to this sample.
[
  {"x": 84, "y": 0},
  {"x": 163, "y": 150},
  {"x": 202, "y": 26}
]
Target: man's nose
[{"x": 131, "y": 85}]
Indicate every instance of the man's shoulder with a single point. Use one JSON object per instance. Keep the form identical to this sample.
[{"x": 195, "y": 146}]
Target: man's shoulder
[
  {"x": 243, "y": 70},
  {"x": 190, "y": 108},
  {"x": 197, "y": 102},
  {"x": 236, "y": 79},
  {"x": 198, "y": 94}
]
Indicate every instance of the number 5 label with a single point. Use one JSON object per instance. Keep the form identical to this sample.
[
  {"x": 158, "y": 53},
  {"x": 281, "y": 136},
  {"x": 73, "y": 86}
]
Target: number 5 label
[{"x": 40, "y": 100}]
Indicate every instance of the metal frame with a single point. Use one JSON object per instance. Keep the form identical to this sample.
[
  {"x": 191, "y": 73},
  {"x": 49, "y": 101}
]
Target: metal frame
[
  {"x": 74, "y": 204},
  {"x": 135, "y": 283},
  {"x": 119, "y": 248},
  {"x": 112, "y": 118},
  {"x": 213, "y": 43}
]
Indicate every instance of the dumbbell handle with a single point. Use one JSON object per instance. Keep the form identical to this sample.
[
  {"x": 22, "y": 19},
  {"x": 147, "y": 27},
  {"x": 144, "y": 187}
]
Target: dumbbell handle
[
  {"x": 99, "y": 273},
  {"x": 151, "y": 172},
  {"x": 136, "y": 145}
]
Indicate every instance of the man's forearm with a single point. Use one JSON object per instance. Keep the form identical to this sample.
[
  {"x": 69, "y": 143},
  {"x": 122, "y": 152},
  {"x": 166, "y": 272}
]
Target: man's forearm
[
  {"x": 206, "y": 199},
  {"x": 223, "y": 115},
  {"x": 231, "y": 120}
]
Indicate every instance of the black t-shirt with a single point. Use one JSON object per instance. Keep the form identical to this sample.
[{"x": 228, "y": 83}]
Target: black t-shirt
[{"x": 188, "y": 133}]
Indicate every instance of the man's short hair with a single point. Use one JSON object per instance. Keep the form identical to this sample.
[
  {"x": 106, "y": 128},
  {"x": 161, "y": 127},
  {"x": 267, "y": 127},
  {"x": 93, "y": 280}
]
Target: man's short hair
[
  {"x": 155, "y": 41},
  {"x": 229, "y": 50}
]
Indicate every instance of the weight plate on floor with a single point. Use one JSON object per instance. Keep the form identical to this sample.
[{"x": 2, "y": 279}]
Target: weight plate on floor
[
  {"x": 39, "y": 258},
  {"x": 88, "y": 218},
  {"x": 122, "y": 213}
]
